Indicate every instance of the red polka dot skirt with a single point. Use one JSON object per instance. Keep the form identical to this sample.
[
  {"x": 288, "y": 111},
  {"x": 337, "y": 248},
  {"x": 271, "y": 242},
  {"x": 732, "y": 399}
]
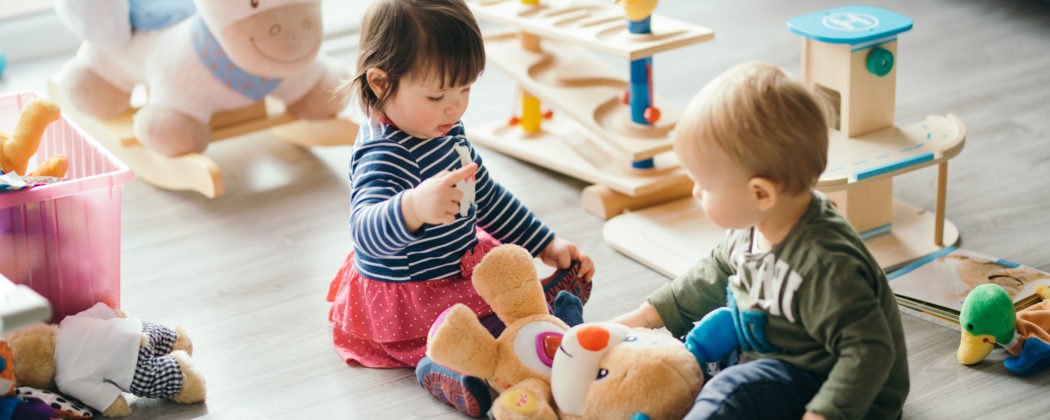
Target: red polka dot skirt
[{"x": 384, "y": 324}]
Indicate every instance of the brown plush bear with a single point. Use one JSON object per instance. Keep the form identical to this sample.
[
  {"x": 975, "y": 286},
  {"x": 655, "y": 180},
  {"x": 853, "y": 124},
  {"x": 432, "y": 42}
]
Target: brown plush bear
[
  {"x": 98, "y": 354},
  {"x": 599, "y": 370}
]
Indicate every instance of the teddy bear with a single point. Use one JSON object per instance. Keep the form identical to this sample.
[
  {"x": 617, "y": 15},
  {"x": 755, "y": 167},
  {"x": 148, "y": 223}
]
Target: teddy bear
[
  {"x": 605, "y": 370},
  {"x": 542, "y": 369},
  {"x": 226, "y": 56},
  {"x": 18, "y": 147},
  {"x": 100, "y": 353},
  {"x": 12, "y": 407}
]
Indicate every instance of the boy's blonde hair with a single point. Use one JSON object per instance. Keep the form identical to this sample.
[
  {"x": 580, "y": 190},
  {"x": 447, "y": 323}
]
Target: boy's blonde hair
[
  {"x": 416, "y": 38},
  {"x": 771, "y": 125}
]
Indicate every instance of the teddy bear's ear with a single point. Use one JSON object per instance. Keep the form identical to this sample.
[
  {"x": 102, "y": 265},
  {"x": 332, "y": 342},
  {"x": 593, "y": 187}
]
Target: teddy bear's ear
[{"x": 33, "y": 354}]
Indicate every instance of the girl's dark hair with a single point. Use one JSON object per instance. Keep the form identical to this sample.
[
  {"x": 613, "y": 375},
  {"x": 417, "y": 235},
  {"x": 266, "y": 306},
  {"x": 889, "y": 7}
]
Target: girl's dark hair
[{"x": 418, "y": 38}]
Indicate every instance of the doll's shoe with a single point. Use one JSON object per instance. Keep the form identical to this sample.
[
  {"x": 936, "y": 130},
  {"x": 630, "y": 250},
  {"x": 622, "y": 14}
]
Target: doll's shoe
[
  {"x": 182, "y": 340},
  {"x": 468, "y": 394},
  {"x": 569, "y": 280},
  {"x": 192, "y": 382}
]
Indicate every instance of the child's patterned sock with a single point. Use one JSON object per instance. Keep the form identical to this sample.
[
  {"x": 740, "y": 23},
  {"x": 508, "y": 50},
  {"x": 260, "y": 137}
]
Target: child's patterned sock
[
  {"x": 468, "y": 394},
  {"x": 569, "y": 280},
  {"x": 568, "y": 308}
]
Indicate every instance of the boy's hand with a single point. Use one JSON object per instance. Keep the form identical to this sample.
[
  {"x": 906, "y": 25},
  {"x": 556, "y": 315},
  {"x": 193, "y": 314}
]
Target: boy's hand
[
  {"x": 645, "y": 316},
  {"x": 812, "y": 416},
  {"x": 435, "y": 201},
  {"x": 560, "y": 253}
]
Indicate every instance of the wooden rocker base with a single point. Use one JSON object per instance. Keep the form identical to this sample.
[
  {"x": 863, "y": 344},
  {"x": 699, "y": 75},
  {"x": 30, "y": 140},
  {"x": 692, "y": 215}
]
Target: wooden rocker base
[
  {"x": 195, "y": 171},
  {"x": 672, "y": 237}
]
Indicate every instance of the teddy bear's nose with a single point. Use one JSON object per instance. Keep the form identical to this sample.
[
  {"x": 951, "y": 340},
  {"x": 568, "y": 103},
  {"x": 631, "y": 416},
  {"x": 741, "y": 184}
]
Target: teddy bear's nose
[{"x": 593, "y": 337}]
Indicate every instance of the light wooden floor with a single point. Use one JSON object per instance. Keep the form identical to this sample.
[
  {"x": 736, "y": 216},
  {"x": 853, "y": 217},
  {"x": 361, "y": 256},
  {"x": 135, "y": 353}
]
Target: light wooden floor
[{"x": 247, "y": 273}]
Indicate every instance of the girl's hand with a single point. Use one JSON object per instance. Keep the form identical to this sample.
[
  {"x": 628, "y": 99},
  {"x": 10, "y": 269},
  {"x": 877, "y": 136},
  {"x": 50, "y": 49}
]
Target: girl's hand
[
  {"x": 560, "y": 253},
  {"x": 435, "y": 201}
]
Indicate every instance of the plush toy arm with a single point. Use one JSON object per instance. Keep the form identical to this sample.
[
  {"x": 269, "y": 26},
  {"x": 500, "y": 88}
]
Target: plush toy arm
[
  {"x": 55, "y": 166},
  {"x": 528, "y": 400},
  {"x": 459, "y": 342},
  {"x": 713, "y": 337},
  {"x": 322, "y": 99},
  {"x": 1035, "y": 356},
  {"x": 104, "y": 22}
]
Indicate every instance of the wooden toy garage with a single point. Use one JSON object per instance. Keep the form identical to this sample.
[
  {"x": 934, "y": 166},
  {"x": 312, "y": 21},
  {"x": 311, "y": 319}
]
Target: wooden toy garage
[
  {"x": 849, "y": 54},
  {"x": 610, "y": 129}
]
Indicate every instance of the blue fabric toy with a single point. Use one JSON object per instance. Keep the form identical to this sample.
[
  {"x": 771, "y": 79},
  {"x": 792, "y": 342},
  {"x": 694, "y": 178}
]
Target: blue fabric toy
[{"x": 151, "y": 15}]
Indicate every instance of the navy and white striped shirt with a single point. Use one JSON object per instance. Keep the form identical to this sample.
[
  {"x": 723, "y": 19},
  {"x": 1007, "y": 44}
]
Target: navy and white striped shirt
[{"x": 386, "y": 163}]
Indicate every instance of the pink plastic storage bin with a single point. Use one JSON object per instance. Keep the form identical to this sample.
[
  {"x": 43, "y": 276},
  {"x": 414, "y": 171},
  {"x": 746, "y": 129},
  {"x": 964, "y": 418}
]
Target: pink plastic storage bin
[{"x": 63, "y": 239}]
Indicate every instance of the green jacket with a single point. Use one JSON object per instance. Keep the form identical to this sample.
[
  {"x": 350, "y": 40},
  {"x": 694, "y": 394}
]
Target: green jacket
[{"x": 828, "y": 309}]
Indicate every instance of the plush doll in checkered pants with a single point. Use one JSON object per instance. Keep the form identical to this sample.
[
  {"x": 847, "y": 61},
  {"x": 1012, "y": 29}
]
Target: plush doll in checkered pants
[{"x": 98, "y": 354}]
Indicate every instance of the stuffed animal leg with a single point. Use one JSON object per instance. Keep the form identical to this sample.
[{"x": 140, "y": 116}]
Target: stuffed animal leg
[
  {"x": 462, "y": 343},
  {"x": 89, "y": 92},
  {"x": 17, "y": 147},
  {"x": 527, "y": 400}
]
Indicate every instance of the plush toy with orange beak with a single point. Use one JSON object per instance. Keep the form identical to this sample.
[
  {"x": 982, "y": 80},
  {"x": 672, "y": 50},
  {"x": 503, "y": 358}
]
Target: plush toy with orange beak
[{"x": 988, "y": 318}]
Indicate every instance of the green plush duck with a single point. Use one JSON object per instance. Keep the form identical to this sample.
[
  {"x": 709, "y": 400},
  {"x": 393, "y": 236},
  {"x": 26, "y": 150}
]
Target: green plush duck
[{"x": 988, "y": 318}]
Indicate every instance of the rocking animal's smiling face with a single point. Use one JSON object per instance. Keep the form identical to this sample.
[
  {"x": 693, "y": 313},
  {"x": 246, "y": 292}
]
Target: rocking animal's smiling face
[{"x": 276, "y": 42}]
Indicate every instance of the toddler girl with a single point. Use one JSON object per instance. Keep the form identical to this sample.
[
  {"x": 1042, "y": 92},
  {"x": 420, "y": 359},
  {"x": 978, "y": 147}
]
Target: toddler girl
[{"x": 424, "y": 210}]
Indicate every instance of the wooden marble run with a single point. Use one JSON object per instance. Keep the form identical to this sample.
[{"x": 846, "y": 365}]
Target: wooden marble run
[
  {"x": 195, "y": 171},
  {"x": 849, "y": 55},
  {"x": 610, "y": 130}
]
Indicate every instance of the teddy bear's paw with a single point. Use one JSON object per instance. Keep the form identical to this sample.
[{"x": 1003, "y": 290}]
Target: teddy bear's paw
[
  {"x": 522, "y": 404},
  {"x": 317, "y": 104},
  {"x": 90, "y": 93},
  {"x": 119, "y": 408},
  {"x": 326, "y": 98},
  {"x": 170, "y": 132},
  {"x": 182, "y": 340},
  {"x": 192, "y": 382}
]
